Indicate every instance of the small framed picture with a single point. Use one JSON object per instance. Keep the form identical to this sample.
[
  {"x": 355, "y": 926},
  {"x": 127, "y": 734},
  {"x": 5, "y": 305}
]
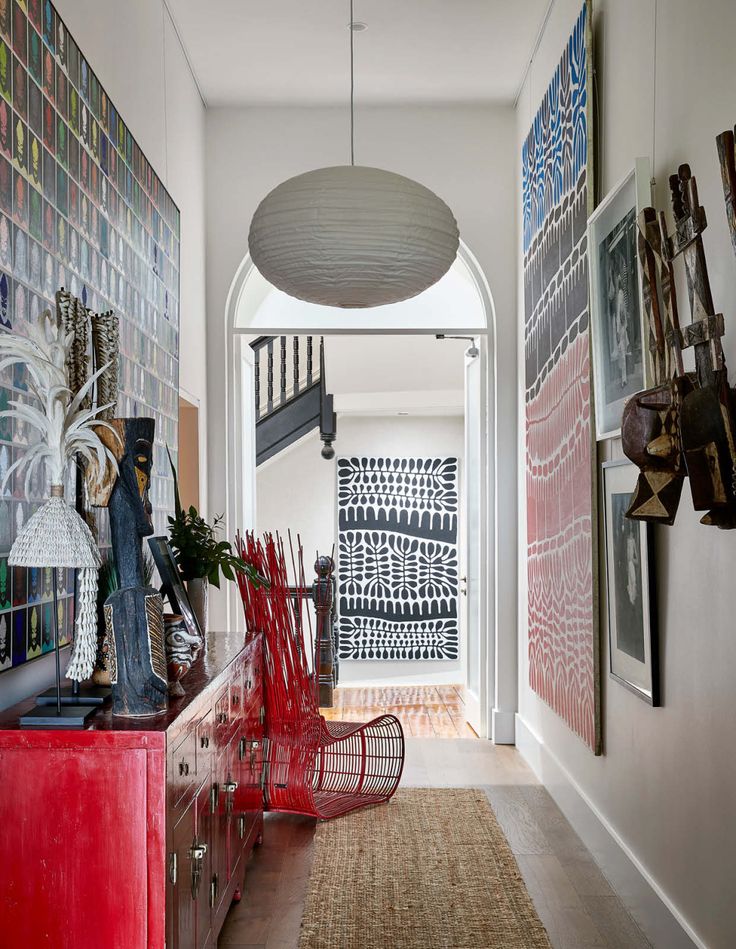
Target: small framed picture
[
  {"x": 171, "y": 583},
  {"x": 620, "y": 366},
  {"x": 632, "y": 634}
]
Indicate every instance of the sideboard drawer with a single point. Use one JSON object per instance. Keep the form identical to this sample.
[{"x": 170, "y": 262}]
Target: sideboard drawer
[
  {"x": 205, "y": 744},
  {"x": 237, "y": 700},
  {"x": 182, "y": 767},
  {"x": 225, "y": 720}
]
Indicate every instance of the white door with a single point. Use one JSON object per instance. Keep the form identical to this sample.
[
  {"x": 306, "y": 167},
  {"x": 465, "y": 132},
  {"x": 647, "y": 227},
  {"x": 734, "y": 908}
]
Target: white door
[{"x": 472, "y": 586}]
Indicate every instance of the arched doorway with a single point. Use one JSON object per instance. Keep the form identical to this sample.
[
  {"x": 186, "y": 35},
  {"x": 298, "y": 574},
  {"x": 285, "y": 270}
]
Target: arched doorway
[{"x": 460, "y": 303}]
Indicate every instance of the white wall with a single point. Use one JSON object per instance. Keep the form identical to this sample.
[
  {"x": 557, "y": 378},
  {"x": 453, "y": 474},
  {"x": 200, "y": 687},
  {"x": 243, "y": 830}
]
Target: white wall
[
  {"x": 138, "y": 59},
  {"x": 297, "y": 490},
  {"x": 466, "y": 155},
  {"x": 665, "y": 785}
]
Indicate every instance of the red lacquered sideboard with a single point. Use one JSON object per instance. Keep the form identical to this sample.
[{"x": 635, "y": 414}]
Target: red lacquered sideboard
[{"x": 134, "y": 833}]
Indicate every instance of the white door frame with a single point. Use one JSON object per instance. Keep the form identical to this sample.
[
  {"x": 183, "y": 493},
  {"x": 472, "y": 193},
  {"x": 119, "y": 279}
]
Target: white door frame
[{"x": 240, "y": 434}]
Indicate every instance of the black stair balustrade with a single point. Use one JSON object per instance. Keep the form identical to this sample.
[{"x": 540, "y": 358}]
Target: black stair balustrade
[{"x": 291, "y": 397}]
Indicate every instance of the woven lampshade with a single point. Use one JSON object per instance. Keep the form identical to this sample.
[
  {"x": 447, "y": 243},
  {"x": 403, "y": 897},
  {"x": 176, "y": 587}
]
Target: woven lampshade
[
  {"x": 352, "y": 236},
  {"x": 55, "y": 536}
]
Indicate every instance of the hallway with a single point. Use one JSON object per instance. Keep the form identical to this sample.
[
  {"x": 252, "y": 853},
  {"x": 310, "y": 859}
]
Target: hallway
[{"x": 574, "y": 900}]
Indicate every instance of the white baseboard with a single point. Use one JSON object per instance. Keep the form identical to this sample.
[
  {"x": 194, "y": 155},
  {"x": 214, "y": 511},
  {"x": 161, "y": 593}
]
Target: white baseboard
[
  {"x": 656, "y": 914},
  {"x": 504, "y": 727}
]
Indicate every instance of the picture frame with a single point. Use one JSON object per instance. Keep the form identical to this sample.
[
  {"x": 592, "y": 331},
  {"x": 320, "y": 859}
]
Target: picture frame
[
  {"x": 630, "y": 591},
  {"x": 617, "y": 320},
  {"x": 172, "y": 584}
]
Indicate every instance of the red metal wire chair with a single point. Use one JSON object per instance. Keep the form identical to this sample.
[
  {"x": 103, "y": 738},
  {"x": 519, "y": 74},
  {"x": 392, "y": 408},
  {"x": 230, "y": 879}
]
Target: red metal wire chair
[{"x": 314, "y": 767}]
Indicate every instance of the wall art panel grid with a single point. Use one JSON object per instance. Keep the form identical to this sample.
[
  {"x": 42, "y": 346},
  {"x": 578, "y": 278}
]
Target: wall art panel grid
[
  {"x": 82, "y": 208},
  {"x": 397, "y": 558},
  {"x": 557, "y": 184}
]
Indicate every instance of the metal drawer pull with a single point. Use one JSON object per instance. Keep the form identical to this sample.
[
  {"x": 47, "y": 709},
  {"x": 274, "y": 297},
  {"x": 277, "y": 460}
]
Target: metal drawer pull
[{"x": 197, "y": 853}]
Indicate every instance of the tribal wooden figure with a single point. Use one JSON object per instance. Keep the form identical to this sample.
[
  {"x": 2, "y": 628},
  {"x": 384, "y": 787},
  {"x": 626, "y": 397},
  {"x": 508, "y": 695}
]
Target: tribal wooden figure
[
  {"x": 133, "y": 613},
  {"x": 685, "y": 424}
]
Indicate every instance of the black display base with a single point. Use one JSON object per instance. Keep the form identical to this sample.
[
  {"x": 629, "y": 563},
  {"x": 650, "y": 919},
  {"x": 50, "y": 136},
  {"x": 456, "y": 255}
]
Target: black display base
[
  {"x": 43, "y": 716},
  {"x": 88, "y": 695}
]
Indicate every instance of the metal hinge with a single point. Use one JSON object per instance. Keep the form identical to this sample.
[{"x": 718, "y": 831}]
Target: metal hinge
[
  {"x": 173, "y": 867},
  {"x": 214, "y": 798},
  {"x": 241, "y": 826},
  {"x": 241, "y": 748},
  {"x": 262, "y": 715},
  {"x": 214, "y": 889}
]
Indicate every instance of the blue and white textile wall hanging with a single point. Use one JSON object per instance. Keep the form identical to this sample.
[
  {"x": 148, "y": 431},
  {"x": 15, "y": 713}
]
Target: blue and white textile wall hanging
[{"x": 398, "y": 560}]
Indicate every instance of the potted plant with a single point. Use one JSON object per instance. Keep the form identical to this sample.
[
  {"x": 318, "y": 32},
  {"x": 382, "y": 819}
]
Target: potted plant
[{"x": 200, "y": 555}]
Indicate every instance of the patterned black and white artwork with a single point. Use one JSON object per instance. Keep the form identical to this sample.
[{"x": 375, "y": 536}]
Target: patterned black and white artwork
[{"x": 397, "y": 558}]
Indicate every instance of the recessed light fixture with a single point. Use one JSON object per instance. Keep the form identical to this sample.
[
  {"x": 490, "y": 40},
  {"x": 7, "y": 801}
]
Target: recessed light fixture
[
  {"x": 402, "y": 413},
  {"x": 357, "y": 26}
]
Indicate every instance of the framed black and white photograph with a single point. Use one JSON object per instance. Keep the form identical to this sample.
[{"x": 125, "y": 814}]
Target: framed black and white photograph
[
  {"x": 632, "y": 633},
  {"x": 620, "y": 366},
  {"x": 172, "y": 585}
]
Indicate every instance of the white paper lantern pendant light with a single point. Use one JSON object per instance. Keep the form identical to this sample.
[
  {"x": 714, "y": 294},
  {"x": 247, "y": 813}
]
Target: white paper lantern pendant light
[{"x": 353, "y": 236}]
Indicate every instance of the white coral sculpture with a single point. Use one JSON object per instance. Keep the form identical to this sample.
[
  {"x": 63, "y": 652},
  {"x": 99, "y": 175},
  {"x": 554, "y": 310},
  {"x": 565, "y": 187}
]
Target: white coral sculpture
[{"x": 56, "y": 536}]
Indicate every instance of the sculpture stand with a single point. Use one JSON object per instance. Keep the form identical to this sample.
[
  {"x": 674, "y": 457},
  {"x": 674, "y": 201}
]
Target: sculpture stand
[
  {"x": 74, "y": 694},
  {"x": 56, "y": 714}
]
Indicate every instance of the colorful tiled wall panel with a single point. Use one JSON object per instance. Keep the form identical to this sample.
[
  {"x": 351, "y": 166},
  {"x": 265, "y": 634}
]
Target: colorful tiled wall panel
[{"x": 81, "y": 208}]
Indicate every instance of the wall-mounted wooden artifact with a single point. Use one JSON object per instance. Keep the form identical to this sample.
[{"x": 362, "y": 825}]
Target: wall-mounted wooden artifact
[
  {"x": 684, "y": 425},
  {"x": 727, "y": 159}
]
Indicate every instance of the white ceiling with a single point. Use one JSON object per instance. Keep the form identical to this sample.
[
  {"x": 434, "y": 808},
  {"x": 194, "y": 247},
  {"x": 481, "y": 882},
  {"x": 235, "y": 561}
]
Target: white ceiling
[
  {"x": 244, "y": 52},
  {"x": 367, "y": 365}
]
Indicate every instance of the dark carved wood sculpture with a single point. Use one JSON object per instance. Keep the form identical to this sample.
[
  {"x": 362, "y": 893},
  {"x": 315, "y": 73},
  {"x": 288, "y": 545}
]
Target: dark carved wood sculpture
[
  {"x": 650, "y": 424},
  {"x": 685, "y": 424},
  {"x": 727, "y": 159},
  {"x": 134, "y": 613}
]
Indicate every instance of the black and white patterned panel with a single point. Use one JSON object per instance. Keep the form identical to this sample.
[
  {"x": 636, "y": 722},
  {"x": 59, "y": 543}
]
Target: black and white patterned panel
[{"x": 397, "y": 558}]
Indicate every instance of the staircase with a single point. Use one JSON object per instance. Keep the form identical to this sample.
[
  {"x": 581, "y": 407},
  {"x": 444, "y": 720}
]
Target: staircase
[{"x": 291, "y": 397}]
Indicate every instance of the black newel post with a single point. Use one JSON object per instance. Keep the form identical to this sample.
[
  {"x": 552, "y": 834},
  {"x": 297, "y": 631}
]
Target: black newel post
[{"x": 323, "y": 596}]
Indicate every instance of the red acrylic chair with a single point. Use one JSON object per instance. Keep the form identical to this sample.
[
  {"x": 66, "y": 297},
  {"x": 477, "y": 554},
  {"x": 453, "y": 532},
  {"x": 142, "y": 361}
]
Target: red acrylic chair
[{"x": 314, "y": 767}]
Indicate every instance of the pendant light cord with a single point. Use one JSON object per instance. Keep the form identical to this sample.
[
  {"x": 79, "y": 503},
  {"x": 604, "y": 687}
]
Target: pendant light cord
[{"x": 352, "y": 87}]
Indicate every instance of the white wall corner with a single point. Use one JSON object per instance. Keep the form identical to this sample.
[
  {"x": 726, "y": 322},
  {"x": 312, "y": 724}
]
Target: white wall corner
[
  {"x": 504, "y": 727},
  {"x": 659, "y": 918}
]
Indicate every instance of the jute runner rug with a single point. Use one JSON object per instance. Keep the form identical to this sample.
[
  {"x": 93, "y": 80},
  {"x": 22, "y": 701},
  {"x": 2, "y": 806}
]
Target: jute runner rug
[{"x": 430, "y": 870}]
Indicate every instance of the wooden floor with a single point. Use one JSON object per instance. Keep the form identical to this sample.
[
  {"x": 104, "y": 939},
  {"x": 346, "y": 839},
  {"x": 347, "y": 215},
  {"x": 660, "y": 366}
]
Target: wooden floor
[
  {"x": 572, "y": 897},
  {"x": 425, "y": 711}
]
